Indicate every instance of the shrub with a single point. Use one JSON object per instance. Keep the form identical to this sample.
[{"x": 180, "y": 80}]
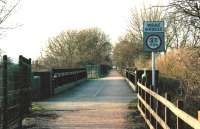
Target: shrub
[{"x": 183, "y": 65}]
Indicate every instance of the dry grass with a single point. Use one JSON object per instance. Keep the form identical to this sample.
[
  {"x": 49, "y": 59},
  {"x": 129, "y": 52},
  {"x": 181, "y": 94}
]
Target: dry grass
[{"x": 184, "y": 65}]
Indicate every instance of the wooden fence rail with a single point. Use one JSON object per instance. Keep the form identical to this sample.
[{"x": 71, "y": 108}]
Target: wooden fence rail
[
  {"x": 180, "y": 114},
  {"x": 157, "y": 110}
]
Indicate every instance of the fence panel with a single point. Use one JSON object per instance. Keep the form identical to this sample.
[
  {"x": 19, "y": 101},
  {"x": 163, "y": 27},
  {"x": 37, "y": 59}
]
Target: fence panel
[{"x": 16, "y": 81}]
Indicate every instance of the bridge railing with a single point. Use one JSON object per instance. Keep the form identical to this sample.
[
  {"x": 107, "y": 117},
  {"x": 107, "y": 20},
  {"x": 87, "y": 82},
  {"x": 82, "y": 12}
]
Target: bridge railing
[
  {"x": 56, "y": 81},
  {"x": 158, "y": 111},
  {"x": 63, "y": 79}
]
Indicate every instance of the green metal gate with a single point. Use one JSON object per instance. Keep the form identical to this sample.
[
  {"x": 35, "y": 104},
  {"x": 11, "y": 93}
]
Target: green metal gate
[
  {"x": 97, "y": 71},
  {"x": 93, "y": 71}
]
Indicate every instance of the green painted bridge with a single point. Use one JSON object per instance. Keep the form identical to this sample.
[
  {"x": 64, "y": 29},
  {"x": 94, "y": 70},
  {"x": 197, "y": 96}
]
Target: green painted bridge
[{"x": 95, "y": 104}]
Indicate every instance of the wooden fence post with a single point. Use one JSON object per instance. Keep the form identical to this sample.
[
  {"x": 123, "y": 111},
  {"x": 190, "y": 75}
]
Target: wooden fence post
[
  {"x": 179, "y": 122},
  {"x": 158, "y": 111},
  {"x": 5, "y": 91},
  {"x": 151, "y": 105},
  {"x": 147, "y": 101},
  {"x": 167, "y": 112},
  {"x": 142, "y": 95},
  {"x": 139, "y": 95},
  {"x": 145, "y": 98}
]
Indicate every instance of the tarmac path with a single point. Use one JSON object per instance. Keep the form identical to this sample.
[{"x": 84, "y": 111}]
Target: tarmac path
[{"x": 96, "y": 104}]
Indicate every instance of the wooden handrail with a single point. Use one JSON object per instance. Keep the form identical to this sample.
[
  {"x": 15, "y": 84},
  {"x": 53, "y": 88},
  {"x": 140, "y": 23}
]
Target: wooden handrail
[
  {"x": 191, "y": 121},
  {"x": 156, "y": 116},
  {"x": 146, "y": 120}
]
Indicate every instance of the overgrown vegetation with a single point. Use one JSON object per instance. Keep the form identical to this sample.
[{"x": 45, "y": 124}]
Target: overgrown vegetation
[{"x": 183, "y": 65}]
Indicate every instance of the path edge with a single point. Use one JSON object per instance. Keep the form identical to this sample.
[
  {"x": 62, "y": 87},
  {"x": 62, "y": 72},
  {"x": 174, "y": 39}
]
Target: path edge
[{"x": 133, "y": 87}]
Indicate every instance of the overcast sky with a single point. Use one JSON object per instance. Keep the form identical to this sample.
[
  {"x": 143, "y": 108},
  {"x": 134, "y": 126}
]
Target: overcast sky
[{"x": 42, "y": 19}]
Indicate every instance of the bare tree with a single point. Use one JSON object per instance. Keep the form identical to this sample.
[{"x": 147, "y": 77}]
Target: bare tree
[
  {"x": 183, "y": 17},
  {"x": 188, "y": 11},
  {"x": 7, "y": 7},
  {"x": 61, "y": 50},
  {"x": 145, "y": 14},
  {"x": 178, "y": 34}
]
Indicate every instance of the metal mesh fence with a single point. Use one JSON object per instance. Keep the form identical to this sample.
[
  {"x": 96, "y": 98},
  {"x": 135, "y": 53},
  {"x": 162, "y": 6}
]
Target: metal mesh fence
[
  {"x": 93, "y": 71},
  {"x": 15, "y": 92},
  {"x": 97, "y": 71},
  {"x": 1, "y": 97}
]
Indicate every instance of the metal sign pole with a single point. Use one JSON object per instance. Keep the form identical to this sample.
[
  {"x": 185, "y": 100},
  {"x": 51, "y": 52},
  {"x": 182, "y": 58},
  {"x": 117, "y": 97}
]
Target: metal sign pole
[{"x": 153, "y": 68}]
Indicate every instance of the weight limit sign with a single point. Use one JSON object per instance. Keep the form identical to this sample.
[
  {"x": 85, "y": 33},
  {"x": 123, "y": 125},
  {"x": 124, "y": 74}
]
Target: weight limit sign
[{"x": 153, "y": 42}]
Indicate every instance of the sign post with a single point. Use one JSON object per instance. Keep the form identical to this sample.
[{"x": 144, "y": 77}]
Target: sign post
[
  {"x": 153, "y": 41},
  {"x": 153, "y": 64}
]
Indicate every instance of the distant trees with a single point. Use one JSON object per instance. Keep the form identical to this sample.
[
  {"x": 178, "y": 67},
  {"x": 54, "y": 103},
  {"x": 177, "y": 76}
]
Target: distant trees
[
  {"x": 60, "y": 50},
  {"x": 75, "y": 49},
  {"x": 126, "y": 51},
  {"x": 94, "y": 47}
]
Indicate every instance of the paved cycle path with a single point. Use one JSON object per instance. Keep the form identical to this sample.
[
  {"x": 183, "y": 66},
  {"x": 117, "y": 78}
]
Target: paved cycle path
[{"x": 96, "y": 104}]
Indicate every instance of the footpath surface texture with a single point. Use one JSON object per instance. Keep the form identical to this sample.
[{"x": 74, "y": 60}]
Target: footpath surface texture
[{"x": 95, "y": 104}]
